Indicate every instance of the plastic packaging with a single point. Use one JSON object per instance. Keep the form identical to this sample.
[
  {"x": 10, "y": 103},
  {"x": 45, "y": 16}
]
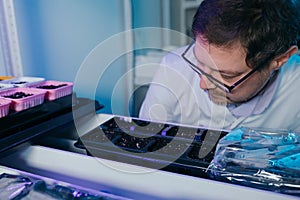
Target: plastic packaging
[
  {"x": 54, "y": 89},
  {"x": 19, "y": 187},
  {"x": 14, "y": 186},
  {"x": 262, "y": 159},
  {"x": 23, "y": 98}
]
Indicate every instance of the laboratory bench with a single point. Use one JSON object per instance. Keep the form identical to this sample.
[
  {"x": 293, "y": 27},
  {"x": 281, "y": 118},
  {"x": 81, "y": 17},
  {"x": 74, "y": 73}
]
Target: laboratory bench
[{"x": 40, "y": 149}]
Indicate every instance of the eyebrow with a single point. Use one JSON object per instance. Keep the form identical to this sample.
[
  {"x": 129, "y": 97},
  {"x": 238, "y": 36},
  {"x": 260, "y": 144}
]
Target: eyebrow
[{"x": 231, "y": 73}]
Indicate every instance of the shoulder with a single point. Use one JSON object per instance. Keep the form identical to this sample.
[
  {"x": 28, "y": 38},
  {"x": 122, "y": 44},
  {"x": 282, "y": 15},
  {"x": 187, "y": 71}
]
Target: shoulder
[
  {"x": 290, "y": 71},
  {"x": 289, "y": 81},
  {"x": 174, "y": 61},
  {"x": 292, "y": 65},
  {"x": 174, "y": 56}
]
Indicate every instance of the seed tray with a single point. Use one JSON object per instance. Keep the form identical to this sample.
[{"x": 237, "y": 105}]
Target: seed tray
[
  {"x": 54, "y": 89},
  {"x": 4, "y": 86},
  {"x": 4, "y": 107},
  {"x": 151, "y": 144},
  {"x": 23, "y": 98},
  {"x": 23, "y": 81},
  {"x": 47, "y": 118}
]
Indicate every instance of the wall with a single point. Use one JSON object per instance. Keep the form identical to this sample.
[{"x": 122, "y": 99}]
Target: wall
[
  {"x": 147, "y": 14},
  {"x": 56, "y": 36}
]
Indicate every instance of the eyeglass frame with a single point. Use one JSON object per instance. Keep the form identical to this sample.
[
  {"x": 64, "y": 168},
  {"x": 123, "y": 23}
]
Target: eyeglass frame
[{"x": 226, "y": 88}]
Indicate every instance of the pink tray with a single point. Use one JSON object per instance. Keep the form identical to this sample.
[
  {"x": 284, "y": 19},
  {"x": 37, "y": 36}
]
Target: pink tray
[
  {"x": 35, "y": 99},
  {"x": 4, "y": 107},
  {"x": 55, "y": 93}
]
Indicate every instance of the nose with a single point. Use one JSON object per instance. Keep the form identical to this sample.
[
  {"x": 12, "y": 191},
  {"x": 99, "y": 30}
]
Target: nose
[{"x": 206, "y": 84}]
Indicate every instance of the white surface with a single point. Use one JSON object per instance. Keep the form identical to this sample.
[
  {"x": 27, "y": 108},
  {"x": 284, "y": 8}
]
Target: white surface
[{"x": 129, "y": 178}]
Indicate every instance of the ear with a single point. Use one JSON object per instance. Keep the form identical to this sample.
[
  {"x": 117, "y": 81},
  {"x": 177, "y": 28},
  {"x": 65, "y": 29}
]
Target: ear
[{"x": 283, "y": 58}]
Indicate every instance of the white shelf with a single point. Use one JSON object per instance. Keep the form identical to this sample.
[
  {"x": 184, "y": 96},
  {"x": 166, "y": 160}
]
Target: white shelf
[{"x": 146, "y": 66}]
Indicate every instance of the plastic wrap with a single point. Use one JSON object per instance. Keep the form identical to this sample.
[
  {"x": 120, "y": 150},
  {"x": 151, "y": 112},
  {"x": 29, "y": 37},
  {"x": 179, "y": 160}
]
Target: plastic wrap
[
  {"x": 262, "y": 159},
  {"x": 19, "y": 187}
]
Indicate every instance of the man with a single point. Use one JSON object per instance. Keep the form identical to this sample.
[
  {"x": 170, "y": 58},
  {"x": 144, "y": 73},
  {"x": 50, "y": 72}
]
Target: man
[{"x": 242, "y": 69}]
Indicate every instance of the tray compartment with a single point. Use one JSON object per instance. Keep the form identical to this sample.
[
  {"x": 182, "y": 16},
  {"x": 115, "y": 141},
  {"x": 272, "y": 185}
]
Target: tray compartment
[
  {"x": 54, "y": 89},
  {"x": 19, "y": 102},
  {"x": 4, "y": 107}
]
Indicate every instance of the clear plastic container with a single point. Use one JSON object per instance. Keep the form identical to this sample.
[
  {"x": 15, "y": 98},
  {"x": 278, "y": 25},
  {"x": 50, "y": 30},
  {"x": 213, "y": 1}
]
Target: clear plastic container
[
  {"x": 23, "y": 98},
  {"x": 4, "y": 107},
  {"x": 54, "y": 89}
]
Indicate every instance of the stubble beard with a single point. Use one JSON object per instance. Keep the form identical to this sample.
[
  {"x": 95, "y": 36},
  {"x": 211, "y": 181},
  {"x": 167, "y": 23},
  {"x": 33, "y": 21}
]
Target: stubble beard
[{"x": 218, "y": 98}]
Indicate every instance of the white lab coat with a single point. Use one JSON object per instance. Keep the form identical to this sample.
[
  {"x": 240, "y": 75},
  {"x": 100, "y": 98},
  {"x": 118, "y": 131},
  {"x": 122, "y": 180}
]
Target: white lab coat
[{"x": 175, "y": 96}]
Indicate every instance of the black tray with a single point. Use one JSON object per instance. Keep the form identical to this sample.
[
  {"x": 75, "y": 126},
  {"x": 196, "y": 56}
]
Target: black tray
[
  {"x": 155, "y": 145},
  {"x": 18, "y": 127}
]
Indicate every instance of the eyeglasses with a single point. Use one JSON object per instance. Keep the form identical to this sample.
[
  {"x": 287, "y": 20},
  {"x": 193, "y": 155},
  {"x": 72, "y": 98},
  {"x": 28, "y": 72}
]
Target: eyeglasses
[{"x": 226, "y": 88}]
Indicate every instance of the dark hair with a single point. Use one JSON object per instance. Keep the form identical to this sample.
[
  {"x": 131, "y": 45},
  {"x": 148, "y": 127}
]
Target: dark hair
[{"x": 265, "y": 28}]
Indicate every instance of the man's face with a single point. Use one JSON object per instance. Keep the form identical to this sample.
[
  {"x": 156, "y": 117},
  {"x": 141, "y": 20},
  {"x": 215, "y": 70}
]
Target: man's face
[{"x": 228, "y": 66}]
